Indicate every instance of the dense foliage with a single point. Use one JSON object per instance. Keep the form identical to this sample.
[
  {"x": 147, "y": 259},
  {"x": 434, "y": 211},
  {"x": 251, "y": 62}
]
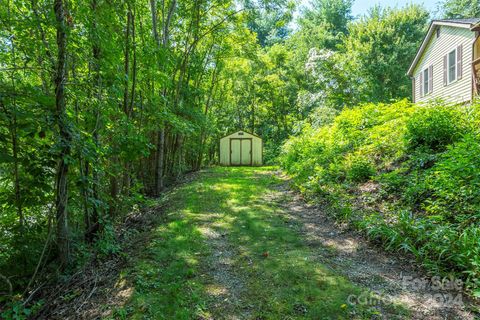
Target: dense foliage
[
  {"x": 408, "y": 175},
  {"x": 461, "y": 8},
  {"x": 105, "y": 103}
]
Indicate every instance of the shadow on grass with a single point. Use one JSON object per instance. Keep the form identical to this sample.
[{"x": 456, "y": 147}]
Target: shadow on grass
[{"x": 265, "y": 271}]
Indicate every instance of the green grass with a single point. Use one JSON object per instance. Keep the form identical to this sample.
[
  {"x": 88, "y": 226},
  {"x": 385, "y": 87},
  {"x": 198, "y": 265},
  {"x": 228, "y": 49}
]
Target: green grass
[{"x": 173, "y": 276}]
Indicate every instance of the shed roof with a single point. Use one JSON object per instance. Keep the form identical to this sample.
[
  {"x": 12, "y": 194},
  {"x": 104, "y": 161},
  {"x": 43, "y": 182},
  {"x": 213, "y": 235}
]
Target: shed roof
[
  {"x": 469, "y": 23},
  {"x": 240, "y": 131}
]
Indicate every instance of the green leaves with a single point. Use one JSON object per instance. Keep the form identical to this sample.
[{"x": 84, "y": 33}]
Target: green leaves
[
  {"x": 461, "y": 9},
  {"x": 5, "y": 158},
  {"x": 407, "y": 175},
  {"x": 435, "y": 127},
  {"x": 379, "y": 49}
]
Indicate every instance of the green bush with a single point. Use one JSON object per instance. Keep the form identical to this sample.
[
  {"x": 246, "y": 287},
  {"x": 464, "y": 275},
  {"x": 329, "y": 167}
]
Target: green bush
[
  {"x": 454, "y": 182},
  {"x": 358, "y": 143},
  {"x": 434, "y": 127},
  {"x": 426, "y": 160},
  {"x": 359, "y": 169}
]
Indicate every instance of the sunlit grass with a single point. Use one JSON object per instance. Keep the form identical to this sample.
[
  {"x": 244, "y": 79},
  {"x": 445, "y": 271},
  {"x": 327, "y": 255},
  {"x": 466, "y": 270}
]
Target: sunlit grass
[{"x": 278, "y": 274}]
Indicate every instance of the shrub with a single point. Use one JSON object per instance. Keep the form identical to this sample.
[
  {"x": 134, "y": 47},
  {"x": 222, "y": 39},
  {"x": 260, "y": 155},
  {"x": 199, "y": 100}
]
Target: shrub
[
  {"x": 358, "y": 143},
  {"x": 427, "y": 161},
  {"x": 359, "y": 169},
  {"x": 434, "y": 127},
  {"x": 455, "y": 182}
]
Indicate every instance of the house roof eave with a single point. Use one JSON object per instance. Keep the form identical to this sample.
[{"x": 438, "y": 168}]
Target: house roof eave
[{"x": 429, "y": 34}]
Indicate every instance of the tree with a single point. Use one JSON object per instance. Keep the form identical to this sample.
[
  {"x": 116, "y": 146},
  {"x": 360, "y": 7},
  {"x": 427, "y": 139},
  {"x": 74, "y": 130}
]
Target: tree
[
  {"x": 379, "y": 49},
  {"x": 456, "y": 9},
  {"x": 64, "y": 136},
  {"x": 324, "y": 22},
  {"x": 269, "y": 19}
]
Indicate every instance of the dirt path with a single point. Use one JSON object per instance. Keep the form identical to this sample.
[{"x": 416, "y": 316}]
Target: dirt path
[
  {"x": 237, "y": 243},
  {"x": 225, "y": 286},
  {"x": 393, "y": 278}
]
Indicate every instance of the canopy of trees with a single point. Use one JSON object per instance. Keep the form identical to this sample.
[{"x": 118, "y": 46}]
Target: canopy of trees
[{"x": 105, "y": 103}]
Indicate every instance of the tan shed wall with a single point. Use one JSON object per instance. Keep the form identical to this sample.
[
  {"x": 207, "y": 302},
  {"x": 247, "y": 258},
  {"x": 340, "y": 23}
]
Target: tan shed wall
[
  {"x": 257, "y": 148},
  {"x": 450, "y": 38},
  {"x": 225, "y": 151}
]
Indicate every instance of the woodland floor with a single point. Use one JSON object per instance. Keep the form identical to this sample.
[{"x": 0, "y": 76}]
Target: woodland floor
[{"x": 237, "y": 243}]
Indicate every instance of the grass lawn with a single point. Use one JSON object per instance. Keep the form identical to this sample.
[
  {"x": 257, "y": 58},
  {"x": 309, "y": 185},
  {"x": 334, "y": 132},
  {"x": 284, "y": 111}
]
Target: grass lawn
[{"x": 226, "y": 252}]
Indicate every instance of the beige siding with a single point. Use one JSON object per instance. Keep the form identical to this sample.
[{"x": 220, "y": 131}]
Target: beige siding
[
  {"x": 437, "y": 48},
  {"x": 257, "y": 148}
]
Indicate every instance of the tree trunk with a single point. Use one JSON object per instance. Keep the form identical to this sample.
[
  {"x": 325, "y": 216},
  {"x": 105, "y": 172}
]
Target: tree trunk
[
  {"x": 18, "y": 200},
  {"x": 127, "y": 62},
  {"x": 92, "y": 223},
  {"x": 128, "y": 105},
  {"x": 198, "y": 165},
  {"x": 63, "y": 237},
  {"x": 160, "y": 157},
  {"x": 161, "y": 132},
  {"x": 159, "y": 168},
  {"x": 134, "y": 67}
]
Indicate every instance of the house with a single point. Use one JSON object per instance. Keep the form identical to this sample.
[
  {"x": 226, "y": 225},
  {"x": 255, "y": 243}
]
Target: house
[
  {"x": 447, "y": 63},
  {"x": 241, "y": 149}
]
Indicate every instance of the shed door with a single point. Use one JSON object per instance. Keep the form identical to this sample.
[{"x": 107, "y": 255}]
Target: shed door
[
  {"x": 235, "y": 146},
  {"x": 246, "y": 152}
]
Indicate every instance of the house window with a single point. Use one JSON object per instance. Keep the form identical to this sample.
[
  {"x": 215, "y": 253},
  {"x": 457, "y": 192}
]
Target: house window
[
  {"x": 426, "y": 87},
  {"x": 438, "y": 32},
  {"x": 452, "y": 66}
]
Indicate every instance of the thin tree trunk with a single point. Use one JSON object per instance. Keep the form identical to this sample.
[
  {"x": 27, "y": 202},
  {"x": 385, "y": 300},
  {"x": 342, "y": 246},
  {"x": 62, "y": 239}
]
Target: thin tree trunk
[
  {"x": 159, "y": 170},
  {"x": 96, "y": 52},
  {"x": 18, "y": 199},
  {"x": 13, "y": 129},
  {"x": 127, "y": 62},
  {"x": 63, "y": 237},
  {"x": 134, "y": 67},
  {"x": 128, "y": 105},
  {"x": 203, "y": 129},
  {"x": 84, "y": 172},
  {"x": 161, "y": 133},
  {"x": 83, "y": 167}
]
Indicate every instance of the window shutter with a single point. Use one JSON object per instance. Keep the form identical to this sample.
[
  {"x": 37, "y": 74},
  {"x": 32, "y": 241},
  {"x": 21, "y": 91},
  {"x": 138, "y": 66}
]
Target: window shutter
[
  {"x": 430, "y": 78},
  {"x": 413, "y": 89},
  {"x": 445, "y": 70},
  {"x": 421, "y": 84},
  {"x": 459, "y": 62}
]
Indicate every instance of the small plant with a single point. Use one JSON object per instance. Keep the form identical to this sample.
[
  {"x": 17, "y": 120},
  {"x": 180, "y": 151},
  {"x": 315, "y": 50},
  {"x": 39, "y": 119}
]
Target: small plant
[
  {"x": 16, "y": 310},
  {"x": 107, "y": 243},
  {"x": 359, "y": 169},
  {"x": 435, "y": 127},
  {"x": 455, "y": 181}
]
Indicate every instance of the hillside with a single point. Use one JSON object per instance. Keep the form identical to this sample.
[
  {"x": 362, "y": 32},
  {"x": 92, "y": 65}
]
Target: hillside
[{"x": 406, "y": 175}]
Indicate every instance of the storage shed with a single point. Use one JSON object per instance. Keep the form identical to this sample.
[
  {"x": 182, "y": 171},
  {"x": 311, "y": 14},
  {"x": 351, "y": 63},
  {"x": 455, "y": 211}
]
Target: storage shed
[{"x": 241, "y": 149}]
